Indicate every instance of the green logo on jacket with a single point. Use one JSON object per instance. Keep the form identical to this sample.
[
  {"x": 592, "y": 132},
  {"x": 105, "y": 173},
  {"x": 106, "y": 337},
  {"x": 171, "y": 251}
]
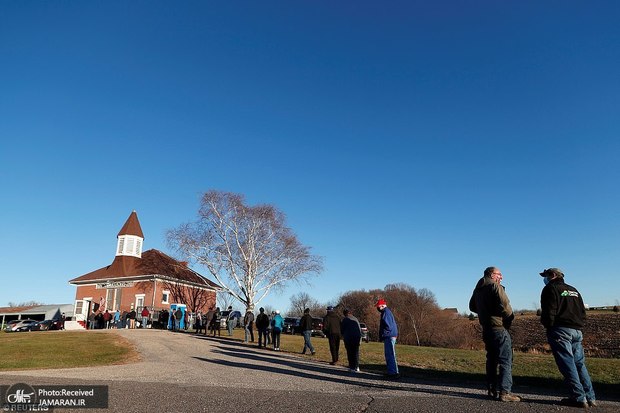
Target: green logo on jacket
[{"x": 567, "y": 293}]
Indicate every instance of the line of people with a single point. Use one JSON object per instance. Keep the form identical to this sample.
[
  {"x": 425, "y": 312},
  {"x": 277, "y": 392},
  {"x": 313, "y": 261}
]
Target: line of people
[
  {"x": 562, "y": 314},
  {"x": 107, "y": 320}
]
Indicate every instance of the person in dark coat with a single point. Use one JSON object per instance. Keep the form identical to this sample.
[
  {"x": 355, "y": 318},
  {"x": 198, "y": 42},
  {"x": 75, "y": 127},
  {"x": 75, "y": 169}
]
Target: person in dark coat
[
  {"x": 173, "y": 321},
  {"x": 490, "y": 301},
  {"x": 208, "y": 319},
  {"x": 305, "y": 324},
  {"x": 352, "y": 337},
  {"x": 262, "y": 325},
  {"x": 331, "y": 326},
  {"x": 216, "y": 322},
  {"x": 563, "y": 314}
]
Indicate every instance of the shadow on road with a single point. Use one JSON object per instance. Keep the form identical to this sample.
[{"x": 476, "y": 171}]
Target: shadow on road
[{"x": 411, "y": 375}]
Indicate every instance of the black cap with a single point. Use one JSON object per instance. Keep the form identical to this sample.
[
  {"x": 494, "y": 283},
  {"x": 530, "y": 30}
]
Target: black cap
[{"x": 552, "y": 271}]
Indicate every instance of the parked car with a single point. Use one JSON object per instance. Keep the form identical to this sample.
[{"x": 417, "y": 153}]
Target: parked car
[
  {"x": 291, "y": 325},
  {"x": 365, "y": 335},
  {"x": 46, "y": 325},
  {"x": 21, "y": 325},
  {"x": 317, "y": 327},
  {"x": 236, "y": 315}
]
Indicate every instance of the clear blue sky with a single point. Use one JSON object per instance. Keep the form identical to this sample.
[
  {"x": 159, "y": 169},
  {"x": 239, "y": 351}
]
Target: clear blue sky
[{"x": 406, "y": 142}]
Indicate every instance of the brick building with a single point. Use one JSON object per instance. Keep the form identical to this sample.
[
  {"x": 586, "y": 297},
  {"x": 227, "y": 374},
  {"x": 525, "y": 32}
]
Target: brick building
[{"x": 136, "y": 279}]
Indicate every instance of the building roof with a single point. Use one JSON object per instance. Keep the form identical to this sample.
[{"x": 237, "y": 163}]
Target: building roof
[
  {"x": 47, "y": 310},
  {"x": 153, "y": 262},
  {"x": 16, "y": 310},
  {"x": 132, "y": 226}
]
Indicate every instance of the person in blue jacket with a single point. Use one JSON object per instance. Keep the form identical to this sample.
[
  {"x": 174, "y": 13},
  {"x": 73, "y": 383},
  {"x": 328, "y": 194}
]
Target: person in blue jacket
[
  {"x": 277, "y": 325},
  {"x": 388, "y": 332}
]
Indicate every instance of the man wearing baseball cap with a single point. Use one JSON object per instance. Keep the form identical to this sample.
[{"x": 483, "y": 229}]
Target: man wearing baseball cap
[
  {"x": 563, "y": 315},
  {"x": 388, "y": 332}
]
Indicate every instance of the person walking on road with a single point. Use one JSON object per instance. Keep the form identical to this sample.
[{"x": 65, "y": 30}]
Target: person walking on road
[
  {"x": 305, "y": 324},
  {"x": 490, "y": 302},
  {"x": 352, "y": 337},
  {"x": 563, "y": 315},
  {"x": 331, "y": 325},
  {"x": 388, "y": 333}
]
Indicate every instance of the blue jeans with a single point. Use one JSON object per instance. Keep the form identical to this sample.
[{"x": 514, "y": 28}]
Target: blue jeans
[
  {"x": 568, "y": 353},
  {"x": 390, "y": 355},
  {"x": 307, "y": 343},
  {"x": 249, "y": 333},
  {"x": 498, "y": 345}
]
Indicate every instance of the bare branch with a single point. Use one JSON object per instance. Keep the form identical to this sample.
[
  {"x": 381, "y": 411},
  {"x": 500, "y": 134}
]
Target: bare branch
[{"x": 248, "y": 249}]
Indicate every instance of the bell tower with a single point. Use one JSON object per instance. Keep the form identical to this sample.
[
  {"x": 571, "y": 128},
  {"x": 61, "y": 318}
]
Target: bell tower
[{"x": 130, "y": 238}]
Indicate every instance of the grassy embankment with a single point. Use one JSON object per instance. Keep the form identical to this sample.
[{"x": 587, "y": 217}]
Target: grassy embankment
[{"x": 61, "y": 349}]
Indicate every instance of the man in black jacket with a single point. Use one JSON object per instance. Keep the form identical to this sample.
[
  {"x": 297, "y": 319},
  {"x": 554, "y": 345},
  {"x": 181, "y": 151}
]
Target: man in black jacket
[
  {"x": 331, "y": 326},
  {"x": 262, "y": 324},
  {"x": 563, "y": 315},
  {"x": 305, "y": 325}
]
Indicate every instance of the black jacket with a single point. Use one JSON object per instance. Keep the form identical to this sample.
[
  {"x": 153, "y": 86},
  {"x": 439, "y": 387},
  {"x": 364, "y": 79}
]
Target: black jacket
[
  {"x": 331, "y": 324},
  {"x": 262, "y": 321},
  {"x": 305, "y": 324},
  {"x": 562, "y": 306}
]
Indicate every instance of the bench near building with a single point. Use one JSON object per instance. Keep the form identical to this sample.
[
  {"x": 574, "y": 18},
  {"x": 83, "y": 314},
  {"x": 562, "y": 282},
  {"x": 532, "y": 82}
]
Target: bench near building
[{"x": 137, "y": 279}]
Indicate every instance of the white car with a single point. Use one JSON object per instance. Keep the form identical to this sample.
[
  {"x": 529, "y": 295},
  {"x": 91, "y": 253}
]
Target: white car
[{"x": 21, "y": 325}]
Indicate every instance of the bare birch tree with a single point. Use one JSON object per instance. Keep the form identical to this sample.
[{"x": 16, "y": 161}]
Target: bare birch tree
[{"x": 248, "y": 249}]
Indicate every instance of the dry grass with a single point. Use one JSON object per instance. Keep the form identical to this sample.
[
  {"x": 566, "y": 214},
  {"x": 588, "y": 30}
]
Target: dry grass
[{"x": 61, "y": 349}]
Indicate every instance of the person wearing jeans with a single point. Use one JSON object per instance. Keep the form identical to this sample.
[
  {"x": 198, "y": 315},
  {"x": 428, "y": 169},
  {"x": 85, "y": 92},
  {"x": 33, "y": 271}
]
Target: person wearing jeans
[
  {"x": 498, "y": 345},
  {"x": 490, "y": 302},
  {"x": 563, "y": 314},
  {"x": 388, "y": 332},
  {"x": 248, "y": 323},
  {"x": 305, "y": 324}
]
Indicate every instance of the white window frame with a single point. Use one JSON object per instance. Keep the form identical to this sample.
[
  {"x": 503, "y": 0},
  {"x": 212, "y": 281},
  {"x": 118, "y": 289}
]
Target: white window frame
[
  {"x": 167, "y": 301},
  {"x": 129, "y": 245},
  {"x": 139, "y": 297}
]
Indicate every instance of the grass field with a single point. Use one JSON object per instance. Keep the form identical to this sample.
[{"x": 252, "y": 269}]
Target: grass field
[{"x": 60, "y": 349}]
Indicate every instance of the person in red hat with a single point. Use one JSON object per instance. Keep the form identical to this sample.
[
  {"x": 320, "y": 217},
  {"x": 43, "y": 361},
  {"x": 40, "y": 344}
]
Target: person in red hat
[{"x": 388, "y": 332}]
